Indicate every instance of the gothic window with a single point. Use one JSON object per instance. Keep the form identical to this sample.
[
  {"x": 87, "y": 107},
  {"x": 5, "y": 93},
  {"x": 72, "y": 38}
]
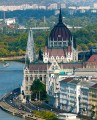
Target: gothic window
[
  {"x": 26, "y": 78},
  {"x": 36, "y": 77},
  {"x": 60, "y": 43},
  {"x": 51, "y": 43},
  {"x": 45, "y": 59},
  {"x": 26, "y": 88},
  {"x": 52, "y": 57},
  {"x": 31, "y": 78},
  {"x": 59, "y": 36},
  {"x": 45, "y": 77},
  {"x": 40, "y": 78},
  {"x": 62, "y": 57},
  {"x": 55, "y": 43},
  {"x": 57, "y": 57},
  {"x": 64, "y": 43}
]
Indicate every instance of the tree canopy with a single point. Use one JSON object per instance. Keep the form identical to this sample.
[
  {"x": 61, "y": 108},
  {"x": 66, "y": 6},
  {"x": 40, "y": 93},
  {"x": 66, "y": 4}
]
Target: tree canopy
[
  {"x": 47, "y": 115},
  {"x": 38, "y": 88}
]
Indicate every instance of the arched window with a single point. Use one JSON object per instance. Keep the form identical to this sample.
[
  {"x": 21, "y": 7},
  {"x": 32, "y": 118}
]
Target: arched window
[
  {"x": 52, "y": 57},
  {"x": 31, "y": 78},
  {"x": 26, "y": 78},
  {"x": 62, "y": 57},
  {"x": 26, "y": 88},
  {"x": 57, "y": 57}
]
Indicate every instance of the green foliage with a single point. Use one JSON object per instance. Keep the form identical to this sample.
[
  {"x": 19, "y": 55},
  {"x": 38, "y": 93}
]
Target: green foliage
[
  {"x": 40, "y": 39},
  {"x": 15, "y": 44},
  {"x": 86, "y": 37},
  {"x": 38, "y": 88},
  {"x": 3, "y": 52},
  {"x": 46, "y": 115}
]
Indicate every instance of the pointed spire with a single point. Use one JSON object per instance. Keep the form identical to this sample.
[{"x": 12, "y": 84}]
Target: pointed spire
[
  {"x": 30, "y": 51},
  {"x": 60, "y": 16}
]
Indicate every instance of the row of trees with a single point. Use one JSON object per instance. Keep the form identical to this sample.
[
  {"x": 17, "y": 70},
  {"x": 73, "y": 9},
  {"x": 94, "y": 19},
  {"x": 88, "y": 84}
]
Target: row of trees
[
  {"x": 15, "y": 44},
  {"x": 12, "y": 44},
  {"x": 86, "y": 37}
]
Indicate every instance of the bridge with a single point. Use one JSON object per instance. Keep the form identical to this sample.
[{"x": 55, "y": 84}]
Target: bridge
[{"x": 34, "y": 28}]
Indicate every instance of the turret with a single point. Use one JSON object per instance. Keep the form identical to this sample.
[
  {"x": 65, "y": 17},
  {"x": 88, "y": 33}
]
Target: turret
[{"x": 30, "y": 51}]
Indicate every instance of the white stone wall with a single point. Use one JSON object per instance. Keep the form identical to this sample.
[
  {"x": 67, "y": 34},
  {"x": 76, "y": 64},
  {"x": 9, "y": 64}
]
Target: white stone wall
[
  {"x": 29, "y": 77},
  {"x": 77, "y": 97},
  {"x": 45, "y": 57},
  {"x": 69, "y": 97}
]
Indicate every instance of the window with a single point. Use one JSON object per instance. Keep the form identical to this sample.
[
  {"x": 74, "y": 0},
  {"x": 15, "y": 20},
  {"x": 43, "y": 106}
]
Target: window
[
  {"x": 31, "y": 78},
  {"x": 52, "y": 57},
  {"x": 57, "y": 57},
  {"x": 40, "y": 78},
  {"x": 26, "y": 78},
  {"x": 62, "y": 57},
  {"x": 45, "y": 59},
  {"x": 26, "y": 88},
  {"x": 59, "y": 35}
]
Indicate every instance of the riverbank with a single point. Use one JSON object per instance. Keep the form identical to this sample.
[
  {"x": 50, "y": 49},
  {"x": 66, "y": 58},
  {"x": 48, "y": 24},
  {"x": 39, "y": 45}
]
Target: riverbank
[
  {"x": 12, "y": 104},
  {"x": 14, "y": 111},
  {"x": 7, "y": 108},
  {"x": 12, "y": 58}
]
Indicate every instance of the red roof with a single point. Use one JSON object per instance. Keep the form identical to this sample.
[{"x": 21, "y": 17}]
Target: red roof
[
  {"x": 55, "y": 52},
  {"x": 93, "y": 58},
  {"x": 94, "y": 86},
  {"x": 71, "y": 65},
  {"x": 43, "y": 67},
  {"x": 67, "y": 79},
  {"x": 40, "y": 67}
]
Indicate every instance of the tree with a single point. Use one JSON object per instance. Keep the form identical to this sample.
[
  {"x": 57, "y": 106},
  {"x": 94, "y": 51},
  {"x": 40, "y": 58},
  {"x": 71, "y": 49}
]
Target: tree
[
  {"x": 38, "y": 88},
  {"x": 47, "y": 115}
]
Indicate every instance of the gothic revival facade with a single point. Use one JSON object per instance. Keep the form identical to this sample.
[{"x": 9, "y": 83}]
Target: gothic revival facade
[
  {"x": 60, "y": 54},
  {"x": 61, "y": 45}
]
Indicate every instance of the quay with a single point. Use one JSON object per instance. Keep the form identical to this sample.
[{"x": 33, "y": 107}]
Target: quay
[
  {"x": 12, "y": 58},
  {"x": 20, "y": 113},
  {"x": 7, "y": 107}
]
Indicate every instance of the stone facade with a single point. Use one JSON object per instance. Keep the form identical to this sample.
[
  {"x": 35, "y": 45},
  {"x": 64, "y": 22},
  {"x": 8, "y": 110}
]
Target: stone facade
[{"x": 57, "y": 55}]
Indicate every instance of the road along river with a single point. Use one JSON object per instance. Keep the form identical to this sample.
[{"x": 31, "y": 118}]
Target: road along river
[{"x": 10, "y": 78}]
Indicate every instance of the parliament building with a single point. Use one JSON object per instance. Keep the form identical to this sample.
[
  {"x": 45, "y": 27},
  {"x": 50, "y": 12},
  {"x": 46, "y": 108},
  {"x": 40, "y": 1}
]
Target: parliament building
[{"x": 59, "y": 55}]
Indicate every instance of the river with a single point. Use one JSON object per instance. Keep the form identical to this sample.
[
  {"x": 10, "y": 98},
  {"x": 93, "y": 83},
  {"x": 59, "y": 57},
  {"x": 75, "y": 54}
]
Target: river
[{"x": 10, "y": 78}]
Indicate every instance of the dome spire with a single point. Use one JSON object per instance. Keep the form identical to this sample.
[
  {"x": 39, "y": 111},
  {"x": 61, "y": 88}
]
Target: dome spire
[{"x": 60, "y": 16}]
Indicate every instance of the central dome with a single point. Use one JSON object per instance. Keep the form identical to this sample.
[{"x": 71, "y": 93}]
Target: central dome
[{"x": 60, "y": 32}]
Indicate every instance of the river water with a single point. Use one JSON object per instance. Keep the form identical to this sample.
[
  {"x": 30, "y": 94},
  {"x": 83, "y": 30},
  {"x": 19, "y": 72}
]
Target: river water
[{"x": 10, "y": 78}]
